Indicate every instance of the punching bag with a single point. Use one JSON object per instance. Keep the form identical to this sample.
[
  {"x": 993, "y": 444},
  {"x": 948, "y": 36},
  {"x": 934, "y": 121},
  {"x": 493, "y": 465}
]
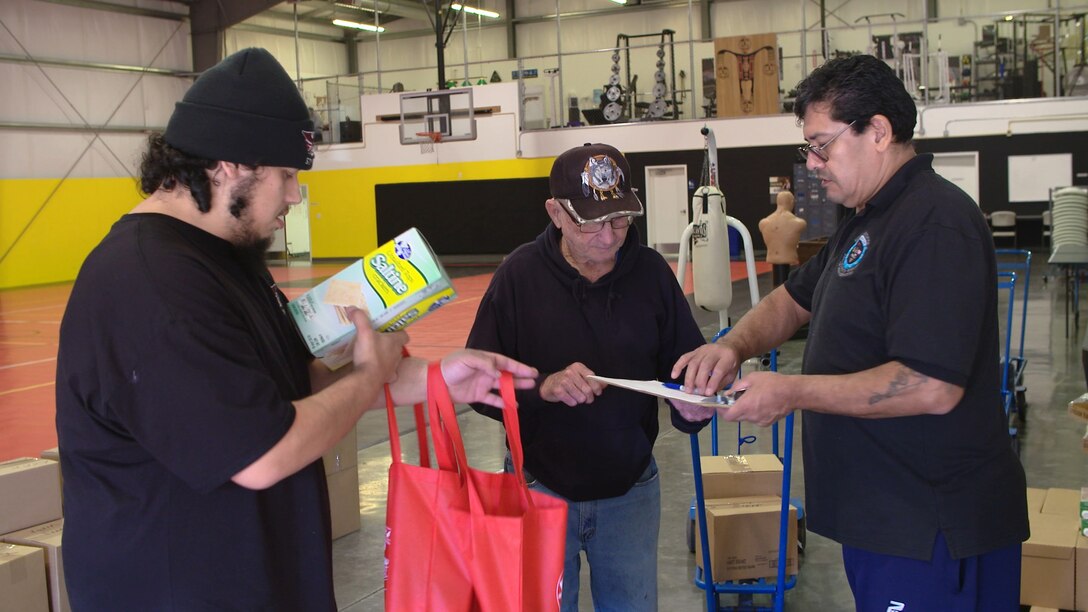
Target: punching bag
[{"x": 713, "y": 281}]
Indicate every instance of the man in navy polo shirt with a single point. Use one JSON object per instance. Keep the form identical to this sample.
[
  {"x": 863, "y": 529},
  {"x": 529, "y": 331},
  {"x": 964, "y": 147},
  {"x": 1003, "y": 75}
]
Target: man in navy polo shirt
[{"x": 907, "y": 458}]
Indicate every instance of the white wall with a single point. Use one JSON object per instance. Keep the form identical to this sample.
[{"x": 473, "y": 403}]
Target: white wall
[{"x": 77, "y": 96}]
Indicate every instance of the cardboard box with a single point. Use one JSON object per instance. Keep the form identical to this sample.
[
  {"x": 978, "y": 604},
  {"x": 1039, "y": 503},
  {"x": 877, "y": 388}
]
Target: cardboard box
[
  {"x": 1081, "y": 588},
  {"x": 1048, "y": 567},
  {"x": 342, "y": 456},
  {"x": 29, "y": 494},
  {"x": 342, "y": 473},
  {"x": 48, "y": 538},
  {"x": 22, "y": 579},
  {"x": 743, "y": 535},
  {"x": 344, "y": 502},
  {"x": 53, "y": 454},
  {"x": 741, "y": 476},
  {"x": 1061, "y": 502},
  {"x": 396, "y": 284}
]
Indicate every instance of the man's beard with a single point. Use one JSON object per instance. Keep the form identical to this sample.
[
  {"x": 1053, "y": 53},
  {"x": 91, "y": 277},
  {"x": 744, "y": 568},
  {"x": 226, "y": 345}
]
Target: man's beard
[{"x": 250, "y": 244}]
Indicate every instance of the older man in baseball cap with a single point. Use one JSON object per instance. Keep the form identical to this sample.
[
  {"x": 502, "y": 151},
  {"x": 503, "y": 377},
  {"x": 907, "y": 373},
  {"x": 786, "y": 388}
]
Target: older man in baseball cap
[{"x": 586, "y": 297}]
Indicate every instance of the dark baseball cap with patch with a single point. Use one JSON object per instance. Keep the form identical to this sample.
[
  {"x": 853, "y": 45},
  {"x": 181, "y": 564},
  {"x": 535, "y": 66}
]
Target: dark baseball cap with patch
[{"x": 596, "y": 180}]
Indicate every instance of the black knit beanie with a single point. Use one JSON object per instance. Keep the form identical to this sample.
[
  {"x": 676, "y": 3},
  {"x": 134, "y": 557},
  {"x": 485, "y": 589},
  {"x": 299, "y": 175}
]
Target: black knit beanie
[{"x": 246, "y": 110}]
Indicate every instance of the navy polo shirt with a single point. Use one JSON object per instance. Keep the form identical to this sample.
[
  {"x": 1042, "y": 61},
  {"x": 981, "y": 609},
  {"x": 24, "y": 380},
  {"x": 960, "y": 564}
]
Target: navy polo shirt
[{"x": 912, "y": 278}]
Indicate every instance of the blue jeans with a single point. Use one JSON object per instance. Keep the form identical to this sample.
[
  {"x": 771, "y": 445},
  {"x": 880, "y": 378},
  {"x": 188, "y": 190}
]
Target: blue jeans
[
  {"x": 883, "y": 583},
  {"x": 619, "y": 537}
]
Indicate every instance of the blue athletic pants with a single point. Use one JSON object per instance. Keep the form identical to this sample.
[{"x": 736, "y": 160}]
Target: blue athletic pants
[{"x": 886, "y": 583}]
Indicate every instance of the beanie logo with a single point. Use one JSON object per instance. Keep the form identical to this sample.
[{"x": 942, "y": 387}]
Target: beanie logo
[{"x": 308, "y": 138}]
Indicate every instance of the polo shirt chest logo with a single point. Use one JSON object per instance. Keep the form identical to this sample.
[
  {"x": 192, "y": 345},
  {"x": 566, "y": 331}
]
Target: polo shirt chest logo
[{"x": 853, "y": 256}]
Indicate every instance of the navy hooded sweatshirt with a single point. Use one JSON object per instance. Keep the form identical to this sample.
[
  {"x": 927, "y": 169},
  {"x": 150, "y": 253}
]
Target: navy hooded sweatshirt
[{"x": 634, "y": 322}]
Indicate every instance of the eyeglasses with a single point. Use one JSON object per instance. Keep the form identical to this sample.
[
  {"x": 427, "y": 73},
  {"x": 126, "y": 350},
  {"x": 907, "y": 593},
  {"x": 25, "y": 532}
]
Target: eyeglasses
[
  {"x": 618, "y": 221},
  {"x": 818, "y": 150}
]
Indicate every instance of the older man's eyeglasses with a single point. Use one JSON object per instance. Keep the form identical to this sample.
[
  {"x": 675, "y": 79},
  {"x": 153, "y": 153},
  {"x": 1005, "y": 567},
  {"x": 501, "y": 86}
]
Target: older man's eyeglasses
[
  {"x": 617, "y": 221},
  {"x": 818, "y": 150}
]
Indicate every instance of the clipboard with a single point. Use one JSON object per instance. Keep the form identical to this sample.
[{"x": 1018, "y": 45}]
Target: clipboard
[{"x": 658, "y": 388}]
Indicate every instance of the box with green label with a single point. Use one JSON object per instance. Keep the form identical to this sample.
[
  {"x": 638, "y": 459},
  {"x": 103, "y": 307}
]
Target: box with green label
[{"x": 397, "y": 284}]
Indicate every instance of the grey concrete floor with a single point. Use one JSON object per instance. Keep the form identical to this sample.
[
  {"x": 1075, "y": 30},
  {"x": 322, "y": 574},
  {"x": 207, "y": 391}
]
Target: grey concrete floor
[{"x": 1050, "y": 443}]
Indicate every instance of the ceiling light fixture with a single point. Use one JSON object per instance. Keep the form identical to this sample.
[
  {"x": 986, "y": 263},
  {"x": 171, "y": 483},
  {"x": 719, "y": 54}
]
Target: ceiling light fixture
[
  {"x": 349, "y": 5},
  {"x": 343, "y": 23},
  {"x": 475, "y": 11},
  {"x": 620, "y": 1}
]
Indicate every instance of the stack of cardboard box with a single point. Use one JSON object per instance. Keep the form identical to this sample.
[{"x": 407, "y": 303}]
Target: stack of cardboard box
[
  {"x": 31, "y": 524},
  {"x": 342, "y": 473},
  {"x": 743, "y": 515},
  {"x": 1054, "y": 570},
  {"x": 31, "y": 570},
  {"x": 22, "y": 579}
]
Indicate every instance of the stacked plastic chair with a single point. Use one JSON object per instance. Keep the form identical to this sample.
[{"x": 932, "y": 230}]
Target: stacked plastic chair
[{"x": 1069, "y": 217}]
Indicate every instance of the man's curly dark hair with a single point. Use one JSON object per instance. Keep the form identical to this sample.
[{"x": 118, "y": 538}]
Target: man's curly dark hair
[{"x": 164, "y": 167}]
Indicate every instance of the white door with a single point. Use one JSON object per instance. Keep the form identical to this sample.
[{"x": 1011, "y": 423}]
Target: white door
[
  {"x": 297, "y": 226},
  {"x": 960, "y": 168},
  {"x": 666, "y": 206}
]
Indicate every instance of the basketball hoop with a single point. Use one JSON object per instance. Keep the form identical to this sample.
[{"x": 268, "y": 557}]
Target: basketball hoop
[{"x": 427, "y": 146}]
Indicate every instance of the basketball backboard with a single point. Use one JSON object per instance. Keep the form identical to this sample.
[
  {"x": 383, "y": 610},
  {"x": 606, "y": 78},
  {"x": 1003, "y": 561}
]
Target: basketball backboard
[{"x": 448, "y": 112}]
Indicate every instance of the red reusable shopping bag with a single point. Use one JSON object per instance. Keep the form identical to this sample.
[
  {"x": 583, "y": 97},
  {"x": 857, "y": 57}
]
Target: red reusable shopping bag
[{"x": 462, "y": 539}]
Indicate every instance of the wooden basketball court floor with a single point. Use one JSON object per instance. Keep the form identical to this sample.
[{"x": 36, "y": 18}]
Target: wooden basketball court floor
[{"x": 30, "y": 323}]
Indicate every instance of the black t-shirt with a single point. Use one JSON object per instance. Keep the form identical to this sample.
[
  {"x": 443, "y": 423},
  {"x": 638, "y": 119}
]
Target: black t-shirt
[
  {"x": 633, "y": 322},
  {"x": 912, "y": 278},
  {"x": 176, "y": 369}
]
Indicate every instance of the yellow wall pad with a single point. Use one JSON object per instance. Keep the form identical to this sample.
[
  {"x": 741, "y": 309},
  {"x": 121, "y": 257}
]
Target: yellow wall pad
[
  {"x": 343, "y": 221},
  {"x": 55, "y": 243},
  {"x": 81, "y": 212}
]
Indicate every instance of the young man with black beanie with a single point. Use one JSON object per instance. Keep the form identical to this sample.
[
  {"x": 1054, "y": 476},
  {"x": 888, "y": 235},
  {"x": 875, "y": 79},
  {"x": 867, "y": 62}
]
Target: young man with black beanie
[{"x": 190, "y": 416}]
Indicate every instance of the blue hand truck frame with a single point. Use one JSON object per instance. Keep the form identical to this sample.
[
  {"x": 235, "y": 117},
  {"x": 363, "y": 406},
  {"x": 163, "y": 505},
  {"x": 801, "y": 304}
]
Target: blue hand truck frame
[
  {"x": 1006, "y": 282},
  {"x": 704, "y": 578},
  {"x": 1017, "y": 261}
]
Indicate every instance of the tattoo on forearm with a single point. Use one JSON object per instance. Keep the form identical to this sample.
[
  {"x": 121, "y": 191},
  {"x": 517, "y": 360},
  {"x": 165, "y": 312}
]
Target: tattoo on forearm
[{"x": 905, "y": 380}]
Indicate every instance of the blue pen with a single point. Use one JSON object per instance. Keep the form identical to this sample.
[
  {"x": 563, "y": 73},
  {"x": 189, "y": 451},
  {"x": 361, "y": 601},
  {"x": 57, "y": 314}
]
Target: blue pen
[{"x": 720, "y": 397}]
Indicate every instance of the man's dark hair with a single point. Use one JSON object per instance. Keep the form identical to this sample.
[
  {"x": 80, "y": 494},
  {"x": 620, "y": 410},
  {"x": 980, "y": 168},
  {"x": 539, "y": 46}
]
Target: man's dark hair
[
  {"x": 167, "y": 168},
  {"x": 856, "y": 88},
  {"x": 164, "y": 167}
]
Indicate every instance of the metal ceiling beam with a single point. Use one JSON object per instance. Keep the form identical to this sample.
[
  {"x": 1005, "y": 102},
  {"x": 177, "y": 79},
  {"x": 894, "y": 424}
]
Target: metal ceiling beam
[
  {"x": 323, "y": 18},
  {"x": 21, "y": 59},
  {"x": 636, "y": 8},
  {"x": 506, "y": 23},
  {"x": 68, "y": 127},
  {"x": 210, "y": 18},
  {"x": 249, "y": 27},
  {"x": 98, "y": 5},
  {"x": 411, "y": 10}
]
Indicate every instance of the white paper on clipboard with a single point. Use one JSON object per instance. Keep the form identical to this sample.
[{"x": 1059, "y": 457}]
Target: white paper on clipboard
[{"x": 658, "y": 388}]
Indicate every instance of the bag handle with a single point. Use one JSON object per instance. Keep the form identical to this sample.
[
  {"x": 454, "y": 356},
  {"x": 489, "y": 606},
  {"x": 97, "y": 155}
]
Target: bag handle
[
  {"x": 394, "y": 431},
  {"x": 512, "y": 424},
  {"x": 439, "y": 401},
  {"x": 449, "y": 448}
]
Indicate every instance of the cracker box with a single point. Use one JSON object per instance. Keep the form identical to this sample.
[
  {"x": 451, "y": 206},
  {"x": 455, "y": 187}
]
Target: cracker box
[{"x": 398, "y": 283}]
